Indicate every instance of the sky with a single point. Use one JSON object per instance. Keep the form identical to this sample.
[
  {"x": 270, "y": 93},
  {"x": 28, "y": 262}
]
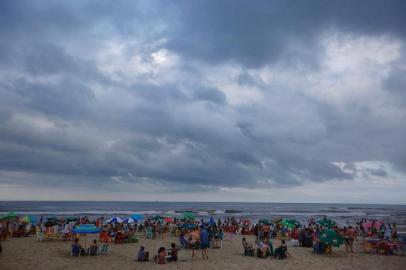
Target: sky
[{"x": 270, "y": 101}]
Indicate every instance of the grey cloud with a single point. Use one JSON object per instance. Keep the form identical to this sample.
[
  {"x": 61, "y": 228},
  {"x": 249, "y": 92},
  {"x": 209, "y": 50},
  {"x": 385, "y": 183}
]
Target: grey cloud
[
  {"x": 184, "y": 133},
  {"x": 256, "y": 34}
]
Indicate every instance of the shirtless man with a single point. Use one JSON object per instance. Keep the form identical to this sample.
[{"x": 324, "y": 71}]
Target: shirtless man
[{"x": 194, "y": 239}]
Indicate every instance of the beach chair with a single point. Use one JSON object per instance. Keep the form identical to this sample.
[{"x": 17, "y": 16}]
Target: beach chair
[
  {"x": 281, "y": 253},
  {"x": 103, "y": 250},
  {"x": 134, "y": 239},
  {"x": 40, "y": 236}
]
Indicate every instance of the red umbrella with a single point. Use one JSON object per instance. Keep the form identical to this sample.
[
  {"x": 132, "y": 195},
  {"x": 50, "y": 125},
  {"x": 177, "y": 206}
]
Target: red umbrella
[
  {"x": 377, "y": 225},
  {"x": 168, "y": 219}
]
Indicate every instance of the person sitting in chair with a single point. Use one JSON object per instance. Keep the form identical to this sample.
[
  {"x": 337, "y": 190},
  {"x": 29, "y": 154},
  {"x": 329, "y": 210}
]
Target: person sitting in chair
[
  {"x": 263, "y": 250},
  {"x": 248, "y": 250},
  {"x": 282, "y": 251},
  {"x": 93, "y": 248},
  {"x": 77, "y": 249}
]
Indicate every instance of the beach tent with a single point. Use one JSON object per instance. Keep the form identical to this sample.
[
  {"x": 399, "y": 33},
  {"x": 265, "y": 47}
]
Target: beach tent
[
  {"x": 188, "y": 215},
  {"x": 115, "y": 220},
  {"x": 137, "y": 217},
  {"x": 8, "y": 216},
  {"x": 330, "y": 237},
  {"x": 291, "y": 223},
  {"x": 328, "y": 223}
]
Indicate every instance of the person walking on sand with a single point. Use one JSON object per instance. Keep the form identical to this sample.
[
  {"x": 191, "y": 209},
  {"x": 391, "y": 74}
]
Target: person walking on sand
[
  {"x": 194, "y": 242},
  {"x": 204, "y": 242}
]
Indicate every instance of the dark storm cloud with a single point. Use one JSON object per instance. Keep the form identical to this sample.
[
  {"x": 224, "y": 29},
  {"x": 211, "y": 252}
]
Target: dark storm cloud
[
  {"x": 62, "y": 117},
  {"x": 255, "y": 33}
]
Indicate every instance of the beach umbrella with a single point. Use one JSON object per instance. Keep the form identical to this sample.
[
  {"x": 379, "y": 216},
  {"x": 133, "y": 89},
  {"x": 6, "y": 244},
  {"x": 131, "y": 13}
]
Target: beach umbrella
[
  {"x": 115, "y": 220},
  {"x": 8, "y": 216},
  {"x": 188, "y": 226},
  {"x": 71, "y": 219},
  {"x": 29, "y": 219},
  {"x": 377, "y": 225},
  {"x": 265, "y": 221},
  {"x": 137, "y": 217},
  {"x": 129, "y": 220},
  {"x": 157, "y": 217},
  {"x": 328, "y": 223},
  {"x": 86, "y": 229},
  {"x": 277, "y": 220},
  {"x": 246, "y": 222},
  {"x": 331, "y": 237},
  {"x": 51, "y": 221},
  {"x": 291, "y": 223},
  {"x": 168, "y": 219},
  {"x": 188, "y": 215}
]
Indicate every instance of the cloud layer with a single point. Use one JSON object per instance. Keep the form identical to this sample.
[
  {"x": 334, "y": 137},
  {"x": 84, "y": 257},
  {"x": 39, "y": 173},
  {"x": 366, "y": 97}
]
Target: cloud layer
[{"x": 202, "y": 96}]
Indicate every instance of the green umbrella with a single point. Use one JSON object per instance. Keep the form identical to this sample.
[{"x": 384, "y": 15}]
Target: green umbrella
[
  {"x": 328, "y": 223},
  {"x": 157, "y": 217},
  {"x": 8, "y": 216},
  {"x": 330, "y": 237},
  {"x": 291, "y": 223},
  {"x": 27, "y": 219},
  {"x": 71, "y": 219},
  {"x": 265, "y": 221},
  {"x": 188, "y": 215}
]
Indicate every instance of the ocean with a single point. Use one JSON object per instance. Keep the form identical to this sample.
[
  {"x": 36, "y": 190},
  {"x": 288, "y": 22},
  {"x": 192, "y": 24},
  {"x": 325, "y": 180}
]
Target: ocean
[{"x": 341, "y": 213}]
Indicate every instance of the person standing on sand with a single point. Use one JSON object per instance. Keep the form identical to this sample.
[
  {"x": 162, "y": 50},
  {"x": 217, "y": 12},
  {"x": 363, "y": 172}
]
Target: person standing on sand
[
  {"x": 194, "y": 241},
  {"x": 204, "y": 242}
]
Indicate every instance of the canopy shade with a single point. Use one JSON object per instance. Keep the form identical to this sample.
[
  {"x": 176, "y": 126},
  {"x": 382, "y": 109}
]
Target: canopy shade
[{"x": 86, "y": 229}]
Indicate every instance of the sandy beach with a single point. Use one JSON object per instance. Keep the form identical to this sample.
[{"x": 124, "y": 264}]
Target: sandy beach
[{"x": 26, "y": 253}]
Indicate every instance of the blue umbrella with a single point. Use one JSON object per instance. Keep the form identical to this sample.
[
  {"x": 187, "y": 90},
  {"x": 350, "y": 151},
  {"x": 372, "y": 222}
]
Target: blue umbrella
[
  {"x": 115, "y": 220},
  {"x": 86, "y": 229},
  {"x": 137, "y": 217},
  {"x": 129, "y": 220}
]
